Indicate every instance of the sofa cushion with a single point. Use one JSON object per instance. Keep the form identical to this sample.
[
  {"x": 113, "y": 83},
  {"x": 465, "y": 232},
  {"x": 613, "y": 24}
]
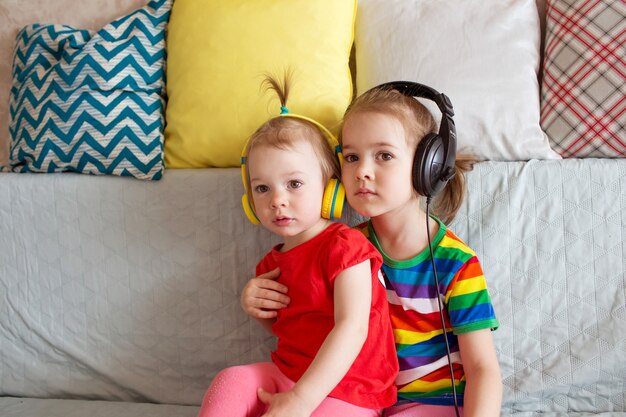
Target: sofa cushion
[
  {"x": 583, "y": 110},
  {"x": 218, "y": 52},
  {"x": 91, "y": 102},
  {"x": 129, "y": 290},
  {"x": 483, "y": 55}
]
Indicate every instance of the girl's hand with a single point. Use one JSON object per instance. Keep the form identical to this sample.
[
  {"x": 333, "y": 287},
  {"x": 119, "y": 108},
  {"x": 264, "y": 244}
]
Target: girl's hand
[
  {"x": 263, "y": 296},
  {"x": 283, "y": 404}
]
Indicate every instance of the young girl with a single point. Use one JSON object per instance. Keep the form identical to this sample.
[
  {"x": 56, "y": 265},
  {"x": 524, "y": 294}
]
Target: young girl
[
  {"x": 381, "y": 132},
  {"x": 335, "y": 354}
]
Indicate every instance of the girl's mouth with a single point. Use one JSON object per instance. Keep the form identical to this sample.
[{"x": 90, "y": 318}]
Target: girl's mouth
[
  {"x": 282, "y": 221},
  {"x": 364, "y": 192}
]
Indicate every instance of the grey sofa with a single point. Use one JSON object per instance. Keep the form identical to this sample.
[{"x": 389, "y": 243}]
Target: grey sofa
[{"x": 120, "y": 297}]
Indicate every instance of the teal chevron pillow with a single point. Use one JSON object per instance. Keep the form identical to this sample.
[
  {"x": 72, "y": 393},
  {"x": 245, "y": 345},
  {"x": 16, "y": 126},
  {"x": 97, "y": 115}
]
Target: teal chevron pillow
[{"x": 91, "y": 102}]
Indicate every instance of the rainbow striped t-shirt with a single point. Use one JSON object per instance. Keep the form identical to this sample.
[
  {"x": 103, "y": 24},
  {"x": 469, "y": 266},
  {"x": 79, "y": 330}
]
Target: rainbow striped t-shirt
[{"x": 424, "y": 371}]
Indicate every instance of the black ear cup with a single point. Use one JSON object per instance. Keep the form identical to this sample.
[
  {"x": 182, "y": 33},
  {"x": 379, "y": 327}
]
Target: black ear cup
[{"x": 428, "y": 165}]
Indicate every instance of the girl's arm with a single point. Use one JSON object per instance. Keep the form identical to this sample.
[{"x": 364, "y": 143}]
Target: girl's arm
[
  {"x": 483, "y": 389},
  {"x": 263, "y": 296},
  {"x": 352, "y": 300}
]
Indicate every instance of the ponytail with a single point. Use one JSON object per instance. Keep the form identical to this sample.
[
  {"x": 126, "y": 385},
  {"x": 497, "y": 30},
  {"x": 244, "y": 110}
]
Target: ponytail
[
  {"x": 448, "y": 202},
  {"x": 281, "y": 87}
]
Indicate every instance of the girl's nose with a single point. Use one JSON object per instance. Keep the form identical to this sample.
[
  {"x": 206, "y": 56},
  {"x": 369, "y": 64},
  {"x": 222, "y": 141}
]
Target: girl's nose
[
  {"x": 364, "y": 171},
  {"x": 278, "y": 200}
]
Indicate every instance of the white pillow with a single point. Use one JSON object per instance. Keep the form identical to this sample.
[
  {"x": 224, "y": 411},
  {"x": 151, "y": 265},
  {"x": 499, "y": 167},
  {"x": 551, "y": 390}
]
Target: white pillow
[{"x": 484, "y": 55}]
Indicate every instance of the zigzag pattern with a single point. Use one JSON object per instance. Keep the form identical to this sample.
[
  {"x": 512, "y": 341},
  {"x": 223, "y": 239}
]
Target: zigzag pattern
[{"x": 91, "y": 102}]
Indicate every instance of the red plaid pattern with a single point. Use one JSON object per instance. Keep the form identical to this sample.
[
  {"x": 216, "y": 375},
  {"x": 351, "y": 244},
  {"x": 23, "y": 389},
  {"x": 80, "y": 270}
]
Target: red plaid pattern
[{"x": 583, "y": 106}]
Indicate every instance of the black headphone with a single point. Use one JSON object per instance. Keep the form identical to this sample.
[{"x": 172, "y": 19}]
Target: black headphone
[{"x": 433, "y": 163}]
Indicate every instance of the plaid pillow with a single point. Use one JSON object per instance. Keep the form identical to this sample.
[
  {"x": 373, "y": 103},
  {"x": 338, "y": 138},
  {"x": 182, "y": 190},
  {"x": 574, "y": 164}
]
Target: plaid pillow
[{"x": 583, "y": 102}]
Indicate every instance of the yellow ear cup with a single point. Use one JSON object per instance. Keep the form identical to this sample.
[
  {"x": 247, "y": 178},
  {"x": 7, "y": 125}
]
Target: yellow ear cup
[
  {"x": 245, "y": 202},
  {"x": 339, "y": 155},
  {"x": 333, "y": 200},
  {"x": 247, "y": 208},
  {"x": 243, "y": 173}
]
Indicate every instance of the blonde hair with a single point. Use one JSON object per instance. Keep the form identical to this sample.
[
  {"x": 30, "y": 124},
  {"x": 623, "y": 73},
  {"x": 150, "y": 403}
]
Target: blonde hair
[
  {"x": 282, "y": 132},
  {"x": 417, "y": 122}
]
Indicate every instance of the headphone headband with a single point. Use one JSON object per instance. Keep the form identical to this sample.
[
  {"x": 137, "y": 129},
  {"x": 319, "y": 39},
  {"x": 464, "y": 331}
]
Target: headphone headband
[
  {"x": 412, "y": 89},
  {"x": 332, "y": 139},
  {"x": 447, "y": 128}
]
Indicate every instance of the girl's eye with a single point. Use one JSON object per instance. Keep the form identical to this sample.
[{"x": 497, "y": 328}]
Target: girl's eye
[
  {"x": 385, "y": 156},
  {"x": 350, "y": 158},
  {"x": 261, "y": 188},
  {"x": 295, "y": 184}
]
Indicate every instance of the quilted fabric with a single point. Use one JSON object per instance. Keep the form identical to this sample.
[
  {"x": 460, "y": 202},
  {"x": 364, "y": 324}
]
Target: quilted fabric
[
  {"x": 583, "y": 110},
  {"x": 125, "y": 290},
  {"x": 551, "y": 236},
  {"x": 91, "y": 102},
  {"x": 129, "y": 290}
]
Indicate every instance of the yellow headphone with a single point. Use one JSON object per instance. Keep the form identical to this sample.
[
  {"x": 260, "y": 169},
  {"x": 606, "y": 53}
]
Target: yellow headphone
[{"x": 334, "y": 193}]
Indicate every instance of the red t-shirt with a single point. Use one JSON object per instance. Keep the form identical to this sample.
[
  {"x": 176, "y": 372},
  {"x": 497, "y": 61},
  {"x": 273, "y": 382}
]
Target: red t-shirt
[{"x": 309, "y": 271}]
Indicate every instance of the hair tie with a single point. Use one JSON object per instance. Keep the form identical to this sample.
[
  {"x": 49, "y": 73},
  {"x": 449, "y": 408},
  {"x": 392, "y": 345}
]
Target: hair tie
[{"x": 284, "y": 110}]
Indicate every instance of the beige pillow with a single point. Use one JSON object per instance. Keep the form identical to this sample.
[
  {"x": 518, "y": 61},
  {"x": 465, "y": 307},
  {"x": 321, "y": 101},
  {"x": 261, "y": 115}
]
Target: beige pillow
[{"x": 484, "y": 55}]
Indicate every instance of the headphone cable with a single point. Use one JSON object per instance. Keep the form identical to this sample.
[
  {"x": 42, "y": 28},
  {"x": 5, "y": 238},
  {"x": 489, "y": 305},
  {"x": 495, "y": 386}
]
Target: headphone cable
[{"x": 443, "y": 323}]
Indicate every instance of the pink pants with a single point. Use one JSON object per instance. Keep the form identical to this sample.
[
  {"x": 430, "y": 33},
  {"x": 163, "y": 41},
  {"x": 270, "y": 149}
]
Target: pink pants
[
  {"x": 421, "y": 410},
  {"x": 233, "y": 393}
]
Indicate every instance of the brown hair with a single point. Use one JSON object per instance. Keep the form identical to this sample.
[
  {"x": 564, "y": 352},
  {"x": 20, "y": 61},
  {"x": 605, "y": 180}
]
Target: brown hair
[
  {"x": 417, "y": 122},
  {"x": 282, "y": 132}
]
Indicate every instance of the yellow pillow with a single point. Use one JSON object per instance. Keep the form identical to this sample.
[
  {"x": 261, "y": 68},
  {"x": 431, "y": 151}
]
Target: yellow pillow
[{"x": 218, "y": 52}]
